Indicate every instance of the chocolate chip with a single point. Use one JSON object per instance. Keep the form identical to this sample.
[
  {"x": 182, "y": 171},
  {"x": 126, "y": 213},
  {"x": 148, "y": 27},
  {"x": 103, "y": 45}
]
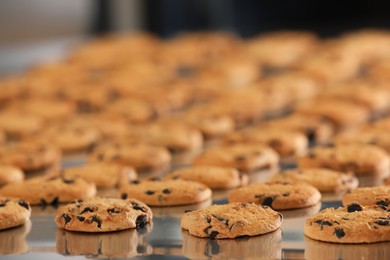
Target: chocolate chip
[
  {"x": 23, "y": 204},
  {"x": 124, "y": 196},
  {"x": 88, "y": 209},
  {"x": 149, "y": 192},
  {"x": 166, "y": 191},
  {"x": 208, "y": 220},
  {"x": 339, "y": 232},
  {"x": 311, "y": 155},
  {"x": 3, "y": 203},
  {"x": 134, "y": 182},
  {"x": 345, "y": 218},
  {"x": 286, "y": 194},
  {"x": 100, "y": 157},
  {"x": 81, "y": 219},
  {"x": 382, "y": 222},
  {"x": 114, "y": 211},
  {"x": 213, "y": 234},
  {"x": 354, "y": 207},
  {"x": 240, "y": 158},
  {"x": 311, "y": 135},
  {"x": 323, "y": 223},
  {"x": 188, "y": 210},
  {"x": 155, "y": 179},
  {"x": 274, "y": 143},
  {"x": 382, "y": 203},
  {"x": 68, "y": 181},
  {"x": 136, "y": 206},
  {"x": 97, "y": 220},
  {"x": 66, "y": 218},
  {"x": 43, "y": 202},
  {"x": 55, "y": 201},
  {"x": 267, "y": 201},
  {"x": 141, "y": 221}
]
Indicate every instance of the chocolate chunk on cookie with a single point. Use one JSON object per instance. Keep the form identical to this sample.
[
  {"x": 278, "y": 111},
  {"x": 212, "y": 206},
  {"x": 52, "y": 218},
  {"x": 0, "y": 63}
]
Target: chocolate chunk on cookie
[
  {"x": 44, "y": 192},
  {"x": 212, "y": 176},
  {"x": 231, "y": 220},
  {"x": 103, "y": 215},
  {"x": 368, "y": 196},
  {"x": 244, "y": 157},
  {"x": 166, "y": 192},
  {"x": 279, "y": 196},
  {"x": 13, "y": 212},
  {"x": 353, "y": 223},
  {"x": 325, "y": 180}
]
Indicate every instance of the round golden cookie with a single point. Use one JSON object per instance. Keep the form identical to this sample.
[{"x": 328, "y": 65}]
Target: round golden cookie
[
  {"x": 158, "y": 192},
  {"x": 244, "y": 157},
  {"x": 42, "y": 191},
  {"x": 30, "y": 156},
  {"x": 135, "y": 110},
  {"x": 231, "y": 220},
  {"x": 368, "y": 196},
  {"x": 103, "y": 215},
  {"x": 13, "y": 212},
  {"x": 212, "y": 176},
  {"x": 104, "y": 175},
  {"x": 350, "y": 224},
  {"x": 279, "y": 196},
  {"x": 16, "y": 124},
  {"x": 141, "y": 156},
  {"x": 10, "y": 174},
  {"x": 324, "y": 180}
]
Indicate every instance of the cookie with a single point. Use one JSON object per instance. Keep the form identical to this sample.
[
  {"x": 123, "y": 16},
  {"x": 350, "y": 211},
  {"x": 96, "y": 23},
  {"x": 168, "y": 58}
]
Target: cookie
[
  {"x": 141, "y": 156},
  {"x": 175, "y": 135},
  {"x": 317, "y": 130},
  {"x": 157, "y": 192},
  {"x": 30, "y": 156},
  {"x": 10, "y": 174},
  {"x": 324, "y": 180},
  {"x": 104, "y": 175},
  {"x": 13, "y": 212},
  {"x": 361, "y": 159},
  {"x": 103, "y": 215},
  {"x": 342, "y": 113},
  {"x": 52, "y": 191},
  {"x": 212, "y": 176},
  {"x": 368, "y": 196},
  {"x": 135, "y": 110},
  {"x": 350, "y": 224},
  {"x": 267, "y": 246},
  {"x": 231, "y": 220},
  {"x": 70, "y": 138},
  {"x": 286, "y": 143},
  {"x": 370, "y": 135},
  {"x": 119, "y": 244},
  {"x": 244, "y": 157},
  {"x": 277, "y": 195},
  {"x": 17, "y": 125}
]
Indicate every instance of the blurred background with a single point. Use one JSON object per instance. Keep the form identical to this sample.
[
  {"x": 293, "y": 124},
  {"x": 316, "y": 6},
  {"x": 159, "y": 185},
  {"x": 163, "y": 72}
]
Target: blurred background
[{"x": 29, "y": 29}]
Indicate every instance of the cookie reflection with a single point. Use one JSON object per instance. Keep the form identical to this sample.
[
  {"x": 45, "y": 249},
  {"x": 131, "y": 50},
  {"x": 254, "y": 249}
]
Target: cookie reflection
[
  {"x": 127, "y": 243},
  {"x": 13, "y": 240},
  {"x": 318, "y": 250},
  {"x": 266, "y": 246}
]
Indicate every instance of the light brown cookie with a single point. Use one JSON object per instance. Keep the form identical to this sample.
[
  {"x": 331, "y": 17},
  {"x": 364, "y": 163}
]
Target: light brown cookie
[
  {"x": 103, "y": 215},
  {"x": 350, "y": 224},
  {"x": 52, "y": 191},
  {"x": 324, "y": 180},
  {"x": 175, "y": 135},
  {"x": 157, "y": 192},
  {"x": 13, "y": 212},
  {"x": 104, "y": 175},
  {"x": 10, "y": 174},
  {"x": 231, "y": 220},
  {"x": 30, "y": 156},
  {"x": 369, "y": 135},
  {"x": 285, "y": 142},
  {"x": 135, "y": 110},
  {"x": 368, "y": 196},
  {"x": 277, "y": 195},
  {"x": 361, "y": 159},
  {"x": 17, "y": 125},
  {"x": 141, "y": 156},
  {"x": 244, "y": 157},
  {"x": 212, "y": 176},
  {"x": 317, "y": 129},
  {"x": 342, "y": 113}
]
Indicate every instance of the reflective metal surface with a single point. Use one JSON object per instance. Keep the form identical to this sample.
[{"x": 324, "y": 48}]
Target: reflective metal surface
[{"x": 164, "y": 239}]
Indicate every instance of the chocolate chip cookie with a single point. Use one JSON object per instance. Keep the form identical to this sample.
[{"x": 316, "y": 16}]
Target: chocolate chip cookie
[
  {"x": 367, "y": 196},
  {"x": 13, "y": 212}
]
